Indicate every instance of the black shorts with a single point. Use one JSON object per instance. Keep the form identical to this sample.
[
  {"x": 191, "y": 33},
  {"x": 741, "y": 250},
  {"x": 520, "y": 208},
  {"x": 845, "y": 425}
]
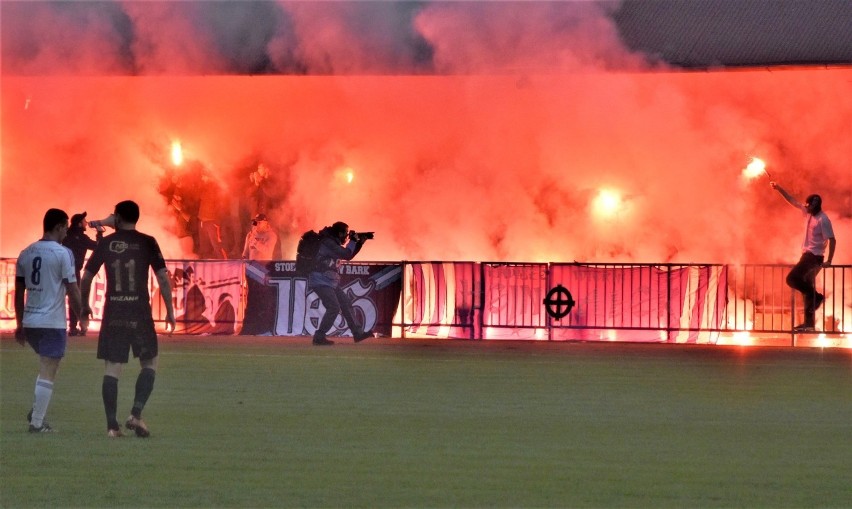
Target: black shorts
[{"x": 119, "y": 336}]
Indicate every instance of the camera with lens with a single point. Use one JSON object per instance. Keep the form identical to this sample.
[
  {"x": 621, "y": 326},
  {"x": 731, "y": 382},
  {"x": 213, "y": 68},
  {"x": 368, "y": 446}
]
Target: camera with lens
[{"x": 362, "y": 235}]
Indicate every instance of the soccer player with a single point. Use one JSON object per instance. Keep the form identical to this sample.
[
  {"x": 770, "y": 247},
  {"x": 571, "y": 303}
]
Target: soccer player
[
  {"x": 45, "y": 272},
  {"x": 127, "y": 321}
]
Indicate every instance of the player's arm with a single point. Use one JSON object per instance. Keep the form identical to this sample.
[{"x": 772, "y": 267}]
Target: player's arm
[
  {"x": 20, "y": 288},
  {"x": 85, "y": 289},
  {"x": 74, "y": 300},
  {"x": 166, "y": 293}
]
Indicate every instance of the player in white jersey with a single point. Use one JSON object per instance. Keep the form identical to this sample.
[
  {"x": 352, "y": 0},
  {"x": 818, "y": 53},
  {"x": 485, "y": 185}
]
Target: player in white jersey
[{"x": 45, "y": 273}]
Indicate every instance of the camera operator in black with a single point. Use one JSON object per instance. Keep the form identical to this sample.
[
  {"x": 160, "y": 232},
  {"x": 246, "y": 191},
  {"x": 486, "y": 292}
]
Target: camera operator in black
[
  {"x": 78, "y": 242},
  {"x": 324, "y": 279}
]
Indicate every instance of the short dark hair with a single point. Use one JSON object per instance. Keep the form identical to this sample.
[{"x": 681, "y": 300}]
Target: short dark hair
[
  {"x": 52, "y": 218},
  {"x": 814, "y": 201},
  {"x": 340, "y": 228},
  {"x": 128, "y": 210}
]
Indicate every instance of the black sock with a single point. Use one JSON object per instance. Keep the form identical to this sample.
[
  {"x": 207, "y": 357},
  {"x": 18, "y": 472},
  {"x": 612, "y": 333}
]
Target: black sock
[
  {"x": 144, "y": 387},
  {"x": 109, "y": 391}
]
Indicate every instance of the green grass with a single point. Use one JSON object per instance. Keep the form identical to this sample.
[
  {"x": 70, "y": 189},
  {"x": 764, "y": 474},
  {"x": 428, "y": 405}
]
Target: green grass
[{"x": 391, "y": 423}]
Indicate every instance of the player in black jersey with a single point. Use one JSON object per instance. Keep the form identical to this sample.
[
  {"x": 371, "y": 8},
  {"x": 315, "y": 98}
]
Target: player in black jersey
[{"x": 127, "y": 320}]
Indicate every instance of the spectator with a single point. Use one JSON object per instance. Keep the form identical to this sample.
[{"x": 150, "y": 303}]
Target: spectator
[
  {"x": 209, "y": 235},
  {"x": 78, "y": 242},
  {"x": 261, "y": 241},
  {"x": 818, "y": 234}
]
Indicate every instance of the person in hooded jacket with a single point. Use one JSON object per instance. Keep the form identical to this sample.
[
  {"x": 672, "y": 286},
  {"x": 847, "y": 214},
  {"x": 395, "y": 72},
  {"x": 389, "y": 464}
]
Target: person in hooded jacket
[
  {"x": 324, "y": 280},
  {"x": 78, "y": 242}
]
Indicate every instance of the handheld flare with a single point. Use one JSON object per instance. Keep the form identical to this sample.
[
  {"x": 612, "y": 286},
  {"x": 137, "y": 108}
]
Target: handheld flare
[{"x": 755, "y": 168}]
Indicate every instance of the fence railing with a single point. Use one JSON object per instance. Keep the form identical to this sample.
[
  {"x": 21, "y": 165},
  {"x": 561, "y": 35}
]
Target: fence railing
[
  {"x": 682, "y": 303},
  {"x": 676, "y": 303}
]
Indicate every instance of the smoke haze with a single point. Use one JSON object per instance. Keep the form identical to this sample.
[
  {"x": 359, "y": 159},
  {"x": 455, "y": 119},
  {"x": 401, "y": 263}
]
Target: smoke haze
[{"x": 471, "y": 132}]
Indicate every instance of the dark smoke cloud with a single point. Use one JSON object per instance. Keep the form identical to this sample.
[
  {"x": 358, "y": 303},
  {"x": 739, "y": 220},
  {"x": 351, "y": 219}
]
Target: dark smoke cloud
[
  {"x": 262, "y": 37},
  {"x": 211, "y": 37},
  {"x": 531, "y": 37}
]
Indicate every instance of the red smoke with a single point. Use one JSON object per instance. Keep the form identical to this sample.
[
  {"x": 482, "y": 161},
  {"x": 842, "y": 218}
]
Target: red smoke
[
  {"x": 466, "y": 167},
  {"x": 496, "y": 148}
]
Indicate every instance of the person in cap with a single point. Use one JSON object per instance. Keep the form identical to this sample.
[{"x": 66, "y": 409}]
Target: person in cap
[
  {"x": 78, "y": 242},
  {"x": 261, "y": 241},
  {"x": 819, "y": 235}
]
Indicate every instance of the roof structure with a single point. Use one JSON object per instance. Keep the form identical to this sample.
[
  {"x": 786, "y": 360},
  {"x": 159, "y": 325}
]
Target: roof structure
[{"x": 713, "y": 33}]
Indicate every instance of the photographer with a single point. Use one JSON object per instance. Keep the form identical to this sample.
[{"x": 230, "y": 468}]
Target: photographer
[{"x": 324, "y": 279}]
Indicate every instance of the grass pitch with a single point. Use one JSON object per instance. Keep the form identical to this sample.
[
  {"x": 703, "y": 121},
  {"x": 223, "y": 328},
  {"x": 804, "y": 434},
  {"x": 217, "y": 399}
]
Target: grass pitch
[{"x": 273, "y": 422}]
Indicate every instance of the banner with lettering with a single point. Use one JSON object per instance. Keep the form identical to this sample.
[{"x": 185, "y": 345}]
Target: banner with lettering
[{"x": 278, "y": 302}]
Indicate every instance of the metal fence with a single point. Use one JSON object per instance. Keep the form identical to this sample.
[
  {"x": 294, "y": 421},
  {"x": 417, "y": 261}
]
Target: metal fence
[
  {"x": 677, "y": 303},
  {"x": 680, "y": 303}
]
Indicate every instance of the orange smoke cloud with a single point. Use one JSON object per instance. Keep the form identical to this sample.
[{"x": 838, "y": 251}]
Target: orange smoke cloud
[
  {"x": 473, "y": 130},
  {"x": 453, "y": 167}
]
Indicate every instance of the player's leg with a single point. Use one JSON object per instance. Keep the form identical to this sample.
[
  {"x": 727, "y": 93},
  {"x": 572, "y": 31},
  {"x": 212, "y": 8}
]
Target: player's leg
[
  {"x": 50, "y": 345},
  {"x": 48, "y": 367},
  {"x": 144, "y": 388},
  {"x": 114, "y": 350},
  {"x": 109, "y": 393}
]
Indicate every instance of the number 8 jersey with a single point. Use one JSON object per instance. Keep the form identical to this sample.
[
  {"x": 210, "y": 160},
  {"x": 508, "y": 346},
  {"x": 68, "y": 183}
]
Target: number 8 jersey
[{"x": 46, "y": 266}]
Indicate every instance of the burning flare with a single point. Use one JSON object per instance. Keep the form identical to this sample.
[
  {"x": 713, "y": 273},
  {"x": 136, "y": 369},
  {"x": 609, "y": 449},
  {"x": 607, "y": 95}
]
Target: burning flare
[
  {"x": 755, "y": 168},
  {"x": 177, "y": 153},
  {"x": 607, "y": 203}
]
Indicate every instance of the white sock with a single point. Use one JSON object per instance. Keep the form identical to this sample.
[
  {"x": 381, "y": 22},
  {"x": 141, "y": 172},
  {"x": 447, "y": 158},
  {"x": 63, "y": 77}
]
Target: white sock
[{"x": 43, "y": 392}]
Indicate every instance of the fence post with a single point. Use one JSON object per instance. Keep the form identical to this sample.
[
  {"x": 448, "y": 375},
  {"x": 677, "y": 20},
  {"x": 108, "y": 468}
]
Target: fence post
[
  {"x": 668, "y": 302},
  {"x": 402, "y": 301},
  {"x": 481, "y": 300}
]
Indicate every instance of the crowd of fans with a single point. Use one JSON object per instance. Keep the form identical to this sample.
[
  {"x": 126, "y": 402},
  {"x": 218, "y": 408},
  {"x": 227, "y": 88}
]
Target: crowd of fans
[{"x": 214, "y": 223}]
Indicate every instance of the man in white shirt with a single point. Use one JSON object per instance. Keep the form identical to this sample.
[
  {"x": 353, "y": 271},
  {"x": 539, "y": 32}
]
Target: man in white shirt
[
  {"x": 45, "y": 272},
  {"x": 818, "y": 235},
  {"x": 262, "y": 241}
]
